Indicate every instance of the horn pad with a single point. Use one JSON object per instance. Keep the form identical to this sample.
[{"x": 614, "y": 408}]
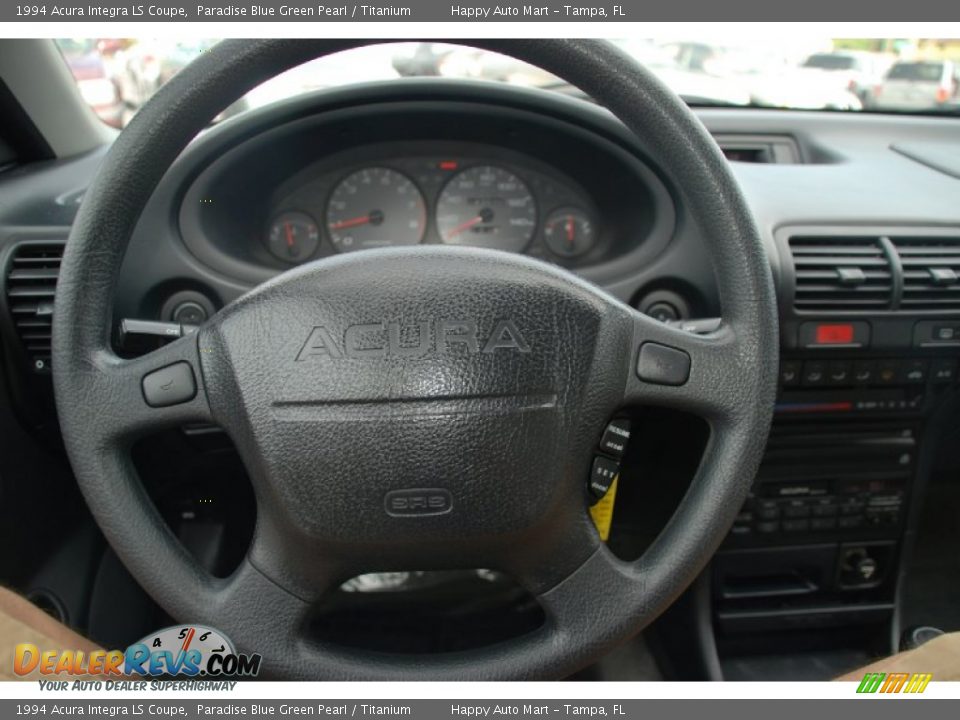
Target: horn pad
[{"x": 437, "y": 397}]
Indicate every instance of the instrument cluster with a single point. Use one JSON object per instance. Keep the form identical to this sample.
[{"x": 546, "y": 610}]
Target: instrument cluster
[{"x": 468, "y": 194}]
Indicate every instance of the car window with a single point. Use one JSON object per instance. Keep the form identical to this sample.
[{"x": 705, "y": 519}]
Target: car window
[
  {"x": 919, "y": 71},
  {"x": 72, "y": 47},
  {"x": 117, "y": 76},
  {"x": 831, "y": 62}
]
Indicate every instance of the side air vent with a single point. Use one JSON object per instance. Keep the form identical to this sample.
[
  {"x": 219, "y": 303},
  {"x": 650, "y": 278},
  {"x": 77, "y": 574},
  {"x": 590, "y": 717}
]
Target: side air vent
[
  {"x": 931, "y": 272},
  {"x": 841, "y": 273},
  {"x": 31, "y": 282}
]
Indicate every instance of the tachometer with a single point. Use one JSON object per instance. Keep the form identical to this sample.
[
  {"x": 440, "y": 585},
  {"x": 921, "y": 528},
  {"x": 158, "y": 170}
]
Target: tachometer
[
  {"x": 489, "y": 207},
  {"x": 375, "y": 207}
]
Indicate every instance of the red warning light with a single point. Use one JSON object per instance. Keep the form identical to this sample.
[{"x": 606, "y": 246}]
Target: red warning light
[
  {"x": 834, "y": 334},
  {"x": 449, "y": 164}
]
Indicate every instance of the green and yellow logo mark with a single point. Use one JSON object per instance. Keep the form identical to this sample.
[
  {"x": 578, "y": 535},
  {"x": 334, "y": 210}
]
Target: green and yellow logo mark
[{"x": 894, "y": 682}]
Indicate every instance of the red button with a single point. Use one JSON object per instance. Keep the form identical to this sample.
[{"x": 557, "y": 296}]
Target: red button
[{"x": 834, "y": 334}]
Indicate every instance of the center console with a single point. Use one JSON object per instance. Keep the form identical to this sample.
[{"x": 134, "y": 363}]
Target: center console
[{"x": 870, "y": 339}]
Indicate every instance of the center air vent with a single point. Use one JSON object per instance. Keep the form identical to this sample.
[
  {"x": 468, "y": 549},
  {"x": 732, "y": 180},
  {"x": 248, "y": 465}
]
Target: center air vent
[
  {"x": 764, "y": 149},
  {"x": 841, "y": 273},
  {"x": 31, "y": 282},
  {"x": 931, "y": 272}
]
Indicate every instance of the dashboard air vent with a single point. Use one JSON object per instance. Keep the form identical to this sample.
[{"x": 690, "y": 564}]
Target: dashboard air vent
[
  {"x": 841, "y": 273},
  {"x": 31, "y": 282},
  {"x": 931, "y": 272},
  {"x": 762, "y": 149}
]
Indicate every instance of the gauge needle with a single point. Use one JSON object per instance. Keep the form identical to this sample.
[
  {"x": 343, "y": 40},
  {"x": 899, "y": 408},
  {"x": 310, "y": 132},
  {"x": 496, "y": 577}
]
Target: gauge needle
[
  {"x": 464, "y": 226},
  {"x": 187, "y": 639},
  {"x": 569, "y": 229},
  {"x": 289, "y": 232},
  {"x": 351, "y": 223}
]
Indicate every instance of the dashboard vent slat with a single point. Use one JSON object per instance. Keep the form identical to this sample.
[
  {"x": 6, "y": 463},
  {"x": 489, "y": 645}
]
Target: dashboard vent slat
[
  {"x": 841, "y": 273},
  {"x": 31, "y": 281},
  {"x": 931, "y": 272},
  {"x": 29, "y": 292},
  {"x": 35, "y": 273}
]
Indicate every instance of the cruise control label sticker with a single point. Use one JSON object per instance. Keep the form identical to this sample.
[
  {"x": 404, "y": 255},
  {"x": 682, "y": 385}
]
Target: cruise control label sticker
[{"x": 602, "y": 511}]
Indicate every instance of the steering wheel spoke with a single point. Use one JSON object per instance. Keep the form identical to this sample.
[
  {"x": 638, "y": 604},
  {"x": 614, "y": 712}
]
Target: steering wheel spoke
[
  {"x": 160, "y": 390},
  {"x": 586, "y": 601},
  {"x": 544, "y": 562},
  {"x": 682, "y": 370}
]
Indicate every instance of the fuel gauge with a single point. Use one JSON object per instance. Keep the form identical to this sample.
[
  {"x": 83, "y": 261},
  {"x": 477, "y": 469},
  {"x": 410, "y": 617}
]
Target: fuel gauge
[
  {"x": 294, "y": 237},
  {"x": 569, "y": 232}
]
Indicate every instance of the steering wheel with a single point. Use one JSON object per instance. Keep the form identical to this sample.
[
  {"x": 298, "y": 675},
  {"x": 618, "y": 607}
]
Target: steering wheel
[{"x": 416, "y": 408}]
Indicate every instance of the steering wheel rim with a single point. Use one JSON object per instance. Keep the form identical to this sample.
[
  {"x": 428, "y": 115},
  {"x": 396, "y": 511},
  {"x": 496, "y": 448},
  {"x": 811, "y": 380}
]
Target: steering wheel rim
[{"x": 591, "y": 599}]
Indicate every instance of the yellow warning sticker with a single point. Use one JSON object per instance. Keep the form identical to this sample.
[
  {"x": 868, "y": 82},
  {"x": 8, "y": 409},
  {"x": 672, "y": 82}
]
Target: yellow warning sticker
[{"x": 602, "y": 512}]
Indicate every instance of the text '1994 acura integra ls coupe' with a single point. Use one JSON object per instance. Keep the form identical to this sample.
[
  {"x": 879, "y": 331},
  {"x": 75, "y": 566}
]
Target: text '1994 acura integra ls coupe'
[{"x": 622, "y": 360}]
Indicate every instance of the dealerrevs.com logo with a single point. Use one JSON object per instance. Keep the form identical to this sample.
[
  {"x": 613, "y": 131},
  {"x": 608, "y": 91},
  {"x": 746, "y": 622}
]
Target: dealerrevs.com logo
[{"x": 181, "y": 650}]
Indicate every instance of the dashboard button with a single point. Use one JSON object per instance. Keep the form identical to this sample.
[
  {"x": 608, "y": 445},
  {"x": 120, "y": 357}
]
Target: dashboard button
[
  {"x": 825, "y": 510},
  {"x": 835, "y": 334},
  {"x": 602, "y": 475},
  {"x": 838, "y": 373},
  {"x": 790, "y": 373},
  {"x": 914, "y": 372},
  {"x": 945, "y": 333},
  {"x": 814, "y": 373},
  {"x": 615, "y": 438},
  {"x": 171, "y": 385},
  {"x": 864, "y": 372},
  {"x": 663, "y": 365},
  {"x": 943, "y": 370},
  {"x": 796, "y": 509},
  {"x": 888, "y": 372}
]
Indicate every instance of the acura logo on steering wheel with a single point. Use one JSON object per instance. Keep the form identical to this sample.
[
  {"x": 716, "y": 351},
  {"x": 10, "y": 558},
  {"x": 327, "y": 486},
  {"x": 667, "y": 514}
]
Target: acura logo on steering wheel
[{"x": 391, "y": 339}]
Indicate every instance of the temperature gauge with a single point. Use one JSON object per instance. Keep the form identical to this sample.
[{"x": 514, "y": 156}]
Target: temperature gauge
[
  {"x": 294, "y": 237},
  {"x": 569, "y": 232}
]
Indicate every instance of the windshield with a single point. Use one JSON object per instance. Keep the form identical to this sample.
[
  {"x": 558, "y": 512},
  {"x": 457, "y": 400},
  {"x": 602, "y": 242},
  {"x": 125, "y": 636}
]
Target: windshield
[{"x": 117, "y": 76}]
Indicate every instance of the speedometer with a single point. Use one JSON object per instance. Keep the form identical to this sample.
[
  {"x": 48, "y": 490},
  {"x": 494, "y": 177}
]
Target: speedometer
[
  {"x": 489, "y": 207},
  {"x": 375, "y": 207}
]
